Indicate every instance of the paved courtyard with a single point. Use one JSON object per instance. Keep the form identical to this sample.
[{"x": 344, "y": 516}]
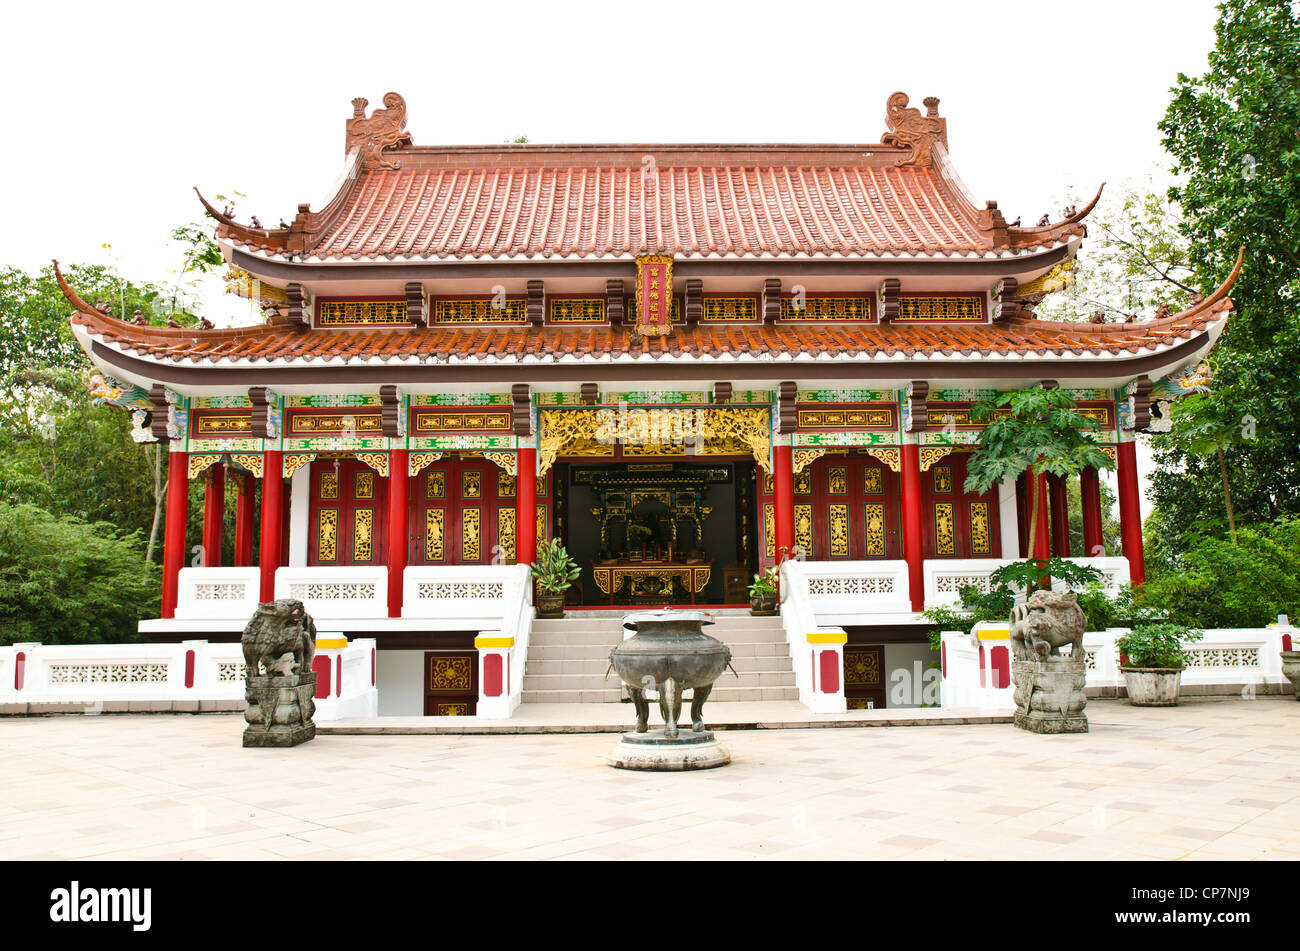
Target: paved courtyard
[{"x": 1215, "y": 779}]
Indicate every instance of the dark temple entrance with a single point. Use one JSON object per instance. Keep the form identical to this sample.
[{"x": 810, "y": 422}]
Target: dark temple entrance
[{"x": 657, "y": 533}]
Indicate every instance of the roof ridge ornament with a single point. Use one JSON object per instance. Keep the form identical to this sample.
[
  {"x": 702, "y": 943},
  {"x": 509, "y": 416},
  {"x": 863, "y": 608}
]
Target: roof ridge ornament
[
  {"x": 383, "y": 130},
  {"x": 909, "y": 129}
]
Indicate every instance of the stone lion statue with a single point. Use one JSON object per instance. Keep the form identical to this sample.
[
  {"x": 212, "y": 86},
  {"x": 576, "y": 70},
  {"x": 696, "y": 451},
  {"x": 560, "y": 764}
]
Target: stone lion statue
[
  {"x": 1045, "y": 623},
  {"x": 276, "y": 630}
]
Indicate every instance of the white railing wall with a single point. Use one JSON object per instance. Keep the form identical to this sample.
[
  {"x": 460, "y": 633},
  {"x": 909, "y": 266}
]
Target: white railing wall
[
  {"x": 205, "y": 593},
  {"x": 503, "y": 647},
  {"x": 185, "y": 677},
  {"x": 1227, "y": 661},
  {"x": 816, "y": 652},
  {"x": 354, "y": 591},
  {"x": 855, "y": 592},
  {"x": 346, "y": 680},
  {"x": 945, "y": 577}
]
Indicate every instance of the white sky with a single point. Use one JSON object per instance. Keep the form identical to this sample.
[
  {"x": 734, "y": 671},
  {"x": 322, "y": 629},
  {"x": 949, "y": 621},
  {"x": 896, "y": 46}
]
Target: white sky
[{"x": 120, "y": 108}]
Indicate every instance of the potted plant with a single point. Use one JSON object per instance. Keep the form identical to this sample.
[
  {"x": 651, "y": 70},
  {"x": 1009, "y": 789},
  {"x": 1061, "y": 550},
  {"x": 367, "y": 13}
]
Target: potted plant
[
  {"x": 555, "y": 572},
  {"x": 1152, "y": 659},
  {"x": 763, "y": 593}
]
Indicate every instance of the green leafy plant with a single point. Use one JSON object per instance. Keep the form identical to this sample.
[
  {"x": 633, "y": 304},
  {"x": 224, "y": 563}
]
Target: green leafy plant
[
  {"x": 1036, "y": 431},
  {"x": 766, "y": 584},
  {"x": 1025, "y": 574},
  {"x": 554, "y": 569},
  {"x": 1157, "y": 645}
]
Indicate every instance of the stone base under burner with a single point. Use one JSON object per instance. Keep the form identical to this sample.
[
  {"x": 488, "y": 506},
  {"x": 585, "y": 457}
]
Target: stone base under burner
[{"x": 654, "y": 751}]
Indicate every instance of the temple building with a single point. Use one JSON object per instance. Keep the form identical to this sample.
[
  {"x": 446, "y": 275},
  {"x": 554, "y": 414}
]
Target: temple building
[{"x": 687, "y": 363}]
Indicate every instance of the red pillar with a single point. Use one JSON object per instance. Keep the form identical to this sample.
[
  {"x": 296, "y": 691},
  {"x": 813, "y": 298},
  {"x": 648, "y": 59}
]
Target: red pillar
[
  {"x": 1042, "y": 539},
  {"x": 272, "y": 515},
  {"x": 243, "y": 519},
  {"x": 178, "y": 499},
  {"x": 912, "y": 512},
  {"x": 1090, "y": 496},
  {"x": 214, "y": 514},
  {"x": 1060, "y": 516},
  {"x": 783, "y": 489},
  {"x": 398, "y": 530},
  {"x": 1130, "y": 514},
  {"x": 526, "y": 507}
]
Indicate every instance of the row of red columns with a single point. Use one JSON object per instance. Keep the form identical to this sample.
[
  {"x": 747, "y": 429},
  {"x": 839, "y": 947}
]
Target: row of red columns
[
  {"x": 1052, "y": 529},
  {"x": 271, "y": 555}
]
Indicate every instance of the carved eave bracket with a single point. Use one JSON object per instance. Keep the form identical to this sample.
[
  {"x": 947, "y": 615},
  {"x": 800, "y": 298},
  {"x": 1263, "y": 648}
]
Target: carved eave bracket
[
  {"x": 1139, "y": 404},
  {"x": 909, "y": 129},
  {"x": 299, "y": 312},
  {"x": 417, "y": 306},
  {"x": 266, "y": 413},
  {"x": 169, "y": 417},
  {"x": 787, "y": 417},
  {"x": 888, "y": 301},
  {"x": 392, "y": 411},
  {"x": 521, "y": 409},
  {"x": 384, "y": 129},
  {"x": 915, "y": 408}
]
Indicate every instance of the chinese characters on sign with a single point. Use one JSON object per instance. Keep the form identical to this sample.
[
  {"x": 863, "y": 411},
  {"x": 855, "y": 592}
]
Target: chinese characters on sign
[{"x": 654, "y": 295}]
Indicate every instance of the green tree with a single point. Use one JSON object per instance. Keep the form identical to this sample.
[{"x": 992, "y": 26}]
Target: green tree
[
  {"x": 1234, "y": 134},
  {"x": 67, "y": 581},
  {"x": 1044, "y": 432}
]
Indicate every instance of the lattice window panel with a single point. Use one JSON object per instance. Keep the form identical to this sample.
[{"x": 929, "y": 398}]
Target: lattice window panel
[
  {"x": 1090, "y": 659},
  {"x": 332, "y": 590},
  {"x": 630, "y": 311},
  {"x": 461, "y": 591},
  {"x": 361, "y": 313},
  {"x": 952, "y": 584},
  {"x": 123, "y": 673},
  {"x": 1223, "y": 657},
  {"x": 231, "y": 672},
  {"x": 220, "y": 591},
  {"x": 730, "y": 308},
  {"x": 826, "y": 308},
  {"x": 482, "y": 310},
  {"x": 941, "y": 308},
  {"x": 882, "y": 584},
  {"x": 577, "y": 310}
]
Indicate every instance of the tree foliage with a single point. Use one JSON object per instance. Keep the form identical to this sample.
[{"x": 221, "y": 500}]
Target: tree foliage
[
  {"x": 67, "y": 581},
  {"x": 1234, "y": 134}
]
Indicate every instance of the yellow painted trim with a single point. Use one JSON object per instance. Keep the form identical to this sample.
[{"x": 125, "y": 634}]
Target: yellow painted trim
[
  {"x": 827, "y": 637},
  {"x": 328, "y": 643},
  {"x": 995, "y": 633},
  {"x": 494, "y": 642}
]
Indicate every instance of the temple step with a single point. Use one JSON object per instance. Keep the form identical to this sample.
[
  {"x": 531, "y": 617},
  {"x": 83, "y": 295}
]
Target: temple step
[
  {"x": 720, "y": 694},
  {"x": 568, "y": 659}
]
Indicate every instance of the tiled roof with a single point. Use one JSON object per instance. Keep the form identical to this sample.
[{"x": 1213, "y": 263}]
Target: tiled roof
[
  {"x": 263, "y": 345},
  {"x": 585, "y": 210},
  {"x": 900, "y": 197}
]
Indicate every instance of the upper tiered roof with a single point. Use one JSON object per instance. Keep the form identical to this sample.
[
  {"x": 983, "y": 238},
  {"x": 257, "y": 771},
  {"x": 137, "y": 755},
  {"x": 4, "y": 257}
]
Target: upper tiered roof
[{"x": 899, "y": 198}]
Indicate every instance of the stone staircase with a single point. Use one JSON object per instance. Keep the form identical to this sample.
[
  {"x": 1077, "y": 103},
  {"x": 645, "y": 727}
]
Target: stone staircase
[{"x": 568, "y": 657}]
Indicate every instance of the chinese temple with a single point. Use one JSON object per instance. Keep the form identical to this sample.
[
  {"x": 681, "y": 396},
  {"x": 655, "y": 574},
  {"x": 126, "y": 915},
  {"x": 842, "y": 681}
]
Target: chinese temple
[{"x": 685, "y": 362}]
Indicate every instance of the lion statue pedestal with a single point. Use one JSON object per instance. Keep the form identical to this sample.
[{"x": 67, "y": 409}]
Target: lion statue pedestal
[
  {"x": 279, "y": 639},
  {"x": 1049, "y": 685}
]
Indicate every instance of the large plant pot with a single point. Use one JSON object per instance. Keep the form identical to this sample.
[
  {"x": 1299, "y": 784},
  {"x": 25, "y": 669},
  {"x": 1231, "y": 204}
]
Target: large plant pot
[
  {"x": 1152, "y": 686},
  {"x": 1291, "y": 669},
  {"x": 762, "y": 605},
  {"x": 550, "y": 604}
]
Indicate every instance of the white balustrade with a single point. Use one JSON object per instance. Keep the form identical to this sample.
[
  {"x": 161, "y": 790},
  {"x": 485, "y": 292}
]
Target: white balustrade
[
  {"x": 503, "y": 647},
  {"x": 945, "y": 577},
  {"x": 358, "y": 591},
  {"x": 345, "y": 678},
  {"x": 854, "y": 592},
  {"x": 460, "y": 597},
  {"x": 205, "y": 593},
  {"x": 1224, "y": 661},
  {"x": 816, "y": 651},
  {"x": 97, "y": 678}
]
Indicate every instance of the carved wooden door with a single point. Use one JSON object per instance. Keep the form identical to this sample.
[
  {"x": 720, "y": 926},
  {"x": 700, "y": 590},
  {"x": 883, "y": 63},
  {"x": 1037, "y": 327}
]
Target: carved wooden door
[
  {"x": 846, "y": 508},
  {"x": 864, "y": 676},
  {"x": 462, "y": 513},
  {"x": 956, "y": 524},
  {"x": 349, "y": 508},
  {"x": 450, "y": 683}
]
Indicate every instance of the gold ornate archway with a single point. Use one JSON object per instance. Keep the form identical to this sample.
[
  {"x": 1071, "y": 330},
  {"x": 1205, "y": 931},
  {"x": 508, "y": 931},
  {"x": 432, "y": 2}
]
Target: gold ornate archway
[{"x": 715, "y": 430}]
